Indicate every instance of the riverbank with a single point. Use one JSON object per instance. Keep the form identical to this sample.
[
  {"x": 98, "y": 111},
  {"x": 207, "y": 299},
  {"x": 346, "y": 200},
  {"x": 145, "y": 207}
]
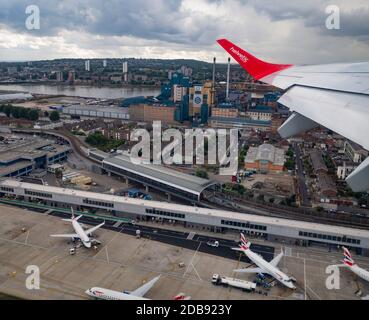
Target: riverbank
[
  {"x": 85, "y": 91},
  {"x": 59, "y": 84}
]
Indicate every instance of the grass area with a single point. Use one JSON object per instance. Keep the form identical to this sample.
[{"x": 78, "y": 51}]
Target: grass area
[{"x": 99, "y": 141}]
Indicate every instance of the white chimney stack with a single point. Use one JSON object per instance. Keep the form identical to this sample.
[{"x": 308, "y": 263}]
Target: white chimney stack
[{"x": 228, "y": 75}]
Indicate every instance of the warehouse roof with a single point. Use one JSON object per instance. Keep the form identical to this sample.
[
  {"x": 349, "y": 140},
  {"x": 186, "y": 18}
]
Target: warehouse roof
[{"x": 162, "y": 174}]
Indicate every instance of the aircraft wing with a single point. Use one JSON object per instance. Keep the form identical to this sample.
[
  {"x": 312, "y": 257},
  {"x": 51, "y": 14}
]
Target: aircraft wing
[
  {"x": 89, "y": 231},
  {"x": 276, "y": 260},
  {"x": 66, "y": 235},
  {"x": 249, "y": 270},
  {"x": 335, "y": 96},
  {"x": 141, "y": 291}
]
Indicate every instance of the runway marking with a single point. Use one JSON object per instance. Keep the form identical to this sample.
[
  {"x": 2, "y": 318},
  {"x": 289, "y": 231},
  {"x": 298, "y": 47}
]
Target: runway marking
[
  {"x": 107, "y": 255},
  {"x": 319, "y": 298},
  {"x": 192, "y": 265},
  {"x": 191, "y": 235},
  {"x": 25, "y": 241},
  {"x": 117, "y": 224},
  {"x": 288, "y": 251},
  {"x": 22, "y": 243}
]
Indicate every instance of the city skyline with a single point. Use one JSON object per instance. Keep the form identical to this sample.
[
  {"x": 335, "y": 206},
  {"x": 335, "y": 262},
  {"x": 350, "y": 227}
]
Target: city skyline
[{"x": 292, "y": 32}]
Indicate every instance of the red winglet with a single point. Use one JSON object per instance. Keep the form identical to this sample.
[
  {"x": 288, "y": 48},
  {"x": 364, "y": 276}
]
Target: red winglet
[{"x": 257, "y": 68}]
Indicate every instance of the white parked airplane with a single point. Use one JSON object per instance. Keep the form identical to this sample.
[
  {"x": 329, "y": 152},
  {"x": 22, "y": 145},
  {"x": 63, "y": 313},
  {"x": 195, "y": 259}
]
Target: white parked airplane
[
  {"x": 264, "y": 267},
  {"x": 83, "y": 235},
  {"x": 138, "y": 294},
  {"x": 350, "y": 263},
  {"x": 333, "y": 95}
]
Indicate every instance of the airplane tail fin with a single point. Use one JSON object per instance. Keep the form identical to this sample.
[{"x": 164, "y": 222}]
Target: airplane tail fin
[
  {"x": 254, "y": 66},
  {"x": 181, "y": 296},
  {"x": 245, "y": 244},
  {"x": 348, "y": 261}
]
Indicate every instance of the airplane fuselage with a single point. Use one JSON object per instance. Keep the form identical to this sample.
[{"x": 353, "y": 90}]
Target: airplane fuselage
[
  {"x": 106, "y": 294},
  {"x": 81, "y": 233},
  {"x": 270, "y": 269},
  {"x": 360, "y": 272}
]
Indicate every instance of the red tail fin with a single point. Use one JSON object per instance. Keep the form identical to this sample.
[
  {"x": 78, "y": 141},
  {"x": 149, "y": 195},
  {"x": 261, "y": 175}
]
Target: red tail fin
[
  {"x": 245, "y": 245},
  {"x": 257, "y": 68},
  {"x": 348, "y": 258}
]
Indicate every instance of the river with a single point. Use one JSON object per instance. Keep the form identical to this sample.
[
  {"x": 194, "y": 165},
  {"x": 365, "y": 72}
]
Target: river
[{"x": 83, "y": 91}]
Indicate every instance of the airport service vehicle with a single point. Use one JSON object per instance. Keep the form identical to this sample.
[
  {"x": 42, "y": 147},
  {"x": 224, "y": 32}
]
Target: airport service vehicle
[
  {"x": 138, "y": 294},
  {"x": 214, "y": 244},
  {"x": 333, "y": 95},
  {"x": 233, "y": 282},
  {"x": 80, "y": 233},
  {"x": 350, "y": 264},
  {"x": 264, "y": 267}
]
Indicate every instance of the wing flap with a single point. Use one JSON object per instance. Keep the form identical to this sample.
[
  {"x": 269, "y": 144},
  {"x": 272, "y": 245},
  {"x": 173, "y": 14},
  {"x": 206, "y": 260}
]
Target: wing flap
[
  {"x": 359, "y": 179},
  {"x": 342, "y": 112}
]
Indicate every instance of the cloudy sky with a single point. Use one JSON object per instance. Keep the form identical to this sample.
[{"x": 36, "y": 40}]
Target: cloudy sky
[{"x": 290, "y": 31}]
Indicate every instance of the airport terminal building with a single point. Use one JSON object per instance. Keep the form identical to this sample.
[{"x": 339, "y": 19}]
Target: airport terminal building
[{"x": 270, "y": 228}]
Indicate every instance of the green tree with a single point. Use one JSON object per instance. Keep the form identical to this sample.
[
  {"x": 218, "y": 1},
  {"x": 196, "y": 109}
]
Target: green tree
[
  {"x": 8, "y": 110},
  {"x": 202, "y": 174},
  {"x": 33, "y": 115},
  {"x": 54, "y": 116}
]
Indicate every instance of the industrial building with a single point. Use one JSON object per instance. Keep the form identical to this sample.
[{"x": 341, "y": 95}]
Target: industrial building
[
  {"x": 19, "y": 155},
  {"x": 263, "y": 113},
  {"x": 265, "y": 158},
  {"x": 148, "y": 112},
  {"x": 90, "y": 111},
  {"x": 15, "y": 97},
  {"x": 239, "y": 123},
  {"x": 270, "y": 228},
  {"x": 161, "y": 178},
  {"x": 226, "y": 110}
]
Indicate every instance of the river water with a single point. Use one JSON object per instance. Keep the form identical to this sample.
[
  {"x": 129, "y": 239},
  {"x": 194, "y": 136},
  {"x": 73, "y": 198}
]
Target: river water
[{"x": 84, "y": 91}]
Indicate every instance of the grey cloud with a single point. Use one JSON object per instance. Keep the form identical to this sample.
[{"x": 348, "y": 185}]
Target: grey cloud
[{"x": 155, "y": 19}]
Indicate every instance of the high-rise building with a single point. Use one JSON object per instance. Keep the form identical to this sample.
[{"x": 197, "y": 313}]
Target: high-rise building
[
  {"x": 186, "y": 71},
  {"x": 179, "y": 92},
  {"x": 87, "y": 65},
  {"x": 59, "y": 76},
  {"x": 125, "y": 71},
  {"x": 71, "y": 76},
  {"x": 105, "y": 63},
  {"x": 201, "y": 94},
  {"x": 125, "y": 67}
]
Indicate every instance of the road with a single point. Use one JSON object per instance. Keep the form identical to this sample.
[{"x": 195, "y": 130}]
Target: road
[{"x": 301, "y": 178}]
